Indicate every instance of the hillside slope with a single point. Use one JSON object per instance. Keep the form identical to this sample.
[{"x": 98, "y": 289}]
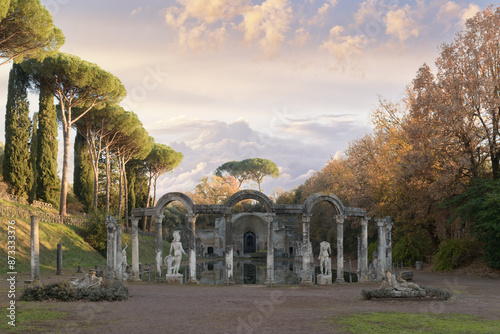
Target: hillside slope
[{"x": 75, "y": 250}]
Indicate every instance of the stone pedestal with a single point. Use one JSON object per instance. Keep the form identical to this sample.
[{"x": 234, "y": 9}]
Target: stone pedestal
[
  {"x": 173, "y": 279},
  {"x": 323, "y": 279}
]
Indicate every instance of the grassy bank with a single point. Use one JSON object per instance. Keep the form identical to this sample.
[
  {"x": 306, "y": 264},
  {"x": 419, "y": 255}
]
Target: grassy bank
[{"x": 75, "y": 250}]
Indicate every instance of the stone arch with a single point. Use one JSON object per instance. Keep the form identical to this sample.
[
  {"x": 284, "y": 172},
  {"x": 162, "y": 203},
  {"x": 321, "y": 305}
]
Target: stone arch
[
  {"x": 249, "y": 194},
  {"x": 175, "y": 196},
  {"x": 319, "y": 197}
]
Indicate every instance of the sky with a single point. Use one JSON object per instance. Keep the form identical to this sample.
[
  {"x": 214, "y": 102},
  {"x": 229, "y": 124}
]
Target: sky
[{"x": 223, "y": 80}]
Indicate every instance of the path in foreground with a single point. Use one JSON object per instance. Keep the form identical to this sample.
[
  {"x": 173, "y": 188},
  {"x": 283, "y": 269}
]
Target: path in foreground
[{"x": 161, "y": 308}]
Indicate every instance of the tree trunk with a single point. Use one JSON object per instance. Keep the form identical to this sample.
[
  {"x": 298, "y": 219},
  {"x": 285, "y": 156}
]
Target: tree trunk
[
  {"x": 65, "y": 171},
  {"x": 120, "y": 194},
  {"x": 108, "y": 180},
  {"x": 147, "y": 206},
  {"x": 125, "y": 188}
]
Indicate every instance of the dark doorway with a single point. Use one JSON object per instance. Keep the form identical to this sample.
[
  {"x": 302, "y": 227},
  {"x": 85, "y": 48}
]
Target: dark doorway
[
  {"x": 249, "y": 243},
  {"x": 210, "y": 250}
]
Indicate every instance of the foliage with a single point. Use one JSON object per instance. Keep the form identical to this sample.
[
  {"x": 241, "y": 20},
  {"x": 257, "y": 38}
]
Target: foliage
[
  {"x": 454, "y": 253},
  {"x": 408, "y": 250},
  {"x": 214, "y": 189},
  {"x": 400, "y": 322},
  {"x": 83, "y": 176},
  {"x": 161, "y": 159},
  {"x": 65, "y": 291},
  {"x": 95, "y": 233},
  {"x": 27, "y": 30},
  {"x": 17, "y": 172},
  {"x": 255, "y": 169},
  {"x": 47, "y": 180},
  {"x": 77, "y": 84},
  {"x": 479, "y": 209},
  {"x": 372, "y": 247},
  {"x": 430, "y": 292}
]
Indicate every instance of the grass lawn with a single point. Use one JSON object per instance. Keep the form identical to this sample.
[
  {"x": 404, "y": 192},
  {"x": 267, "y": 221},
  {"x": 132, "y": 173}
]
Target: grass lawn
[{"x": 395, "y": 322}]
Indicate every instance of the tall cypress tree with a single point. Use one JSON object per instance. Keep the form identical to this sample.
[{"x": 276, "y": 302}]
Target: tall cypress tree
[
  {"x": 17, "y": 166},
  {"x": 47, "y": 181},
  {"x": 33, "y": 157},
  {"x": 83, "y": 176}
]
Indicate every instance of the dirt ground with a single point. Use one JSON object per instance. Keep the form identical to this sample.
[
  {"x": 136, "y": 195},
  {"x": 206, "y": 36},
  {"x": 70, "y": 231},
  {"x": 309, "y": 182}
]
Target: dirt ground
[{"x": 162, "y": 308}]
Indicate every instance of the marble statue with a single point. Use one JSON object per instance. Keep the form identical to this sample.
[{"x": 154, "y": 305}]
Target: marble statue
[
  {"x": 178, "y": 251},
  {"x": 124, "y": 264},
  {"x": 90, "y": 280},
  {"x": 397, "y": 287},
  {"x": 324, "y": 258},
  {"x": 399, "y": 284},
  {"x": 169, "y": 262}
]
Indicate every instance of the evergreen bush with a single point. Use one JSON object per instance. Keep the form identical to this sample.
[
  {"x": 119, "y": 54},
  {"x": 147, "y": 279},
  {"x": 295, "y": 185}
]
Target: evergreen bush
[
  {"x": 66, "y": 291},
  {"x": 455, "y": 253},
  {"x": 407, "y": 251}
]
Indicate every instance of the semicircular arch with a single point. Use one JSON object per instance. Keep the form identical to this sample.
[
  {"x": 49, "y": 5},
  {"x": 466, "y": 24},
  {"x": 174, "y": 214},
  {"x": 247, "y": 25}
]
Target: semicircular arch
[
  {"x": 171, "y": 197},
  {"x": 320, "y": 197},
  {"x": 249, "y": 194}
]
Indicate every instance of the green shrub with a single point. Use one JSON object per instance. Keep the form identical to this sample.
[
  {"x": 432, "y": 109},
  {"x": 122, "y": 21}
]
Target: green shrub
[
  {"x": 262, "y": 254},
  {"x": 66, "y": 291},
  {"x": 454, "y": 253},
  {"x": 479, "y": 209},
  {"x": 95, "y": 233},
  {"x": 430, "y": 292},
  {"x": 406, "y": 250}
]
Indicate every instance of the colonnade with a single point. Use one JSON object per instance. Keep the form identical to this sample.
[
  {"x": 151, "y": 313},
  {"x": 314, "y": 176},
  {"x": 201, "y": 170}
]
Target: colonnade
[{"x": 384, "y": 235}]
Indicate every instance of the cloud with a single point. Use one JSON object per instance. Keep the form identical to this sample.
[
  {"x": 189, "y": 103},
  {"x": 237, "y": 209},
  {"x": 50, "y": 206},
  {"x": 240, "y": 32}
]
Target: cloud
[
  {"x": 136, "y": 11},
  {"x": 301, "y": 37},
  {"x": 321, "y": 16},
  {"x": 344, "y": 47},
  {"x": 367, "y": 10},
  {"x": 399, "y": 23},
  {"x": 452, "y": 12},
  {"x": 298, "y": 148},
  {"x": 267, "y": 23},
  {"x": 202, "y": 23}
]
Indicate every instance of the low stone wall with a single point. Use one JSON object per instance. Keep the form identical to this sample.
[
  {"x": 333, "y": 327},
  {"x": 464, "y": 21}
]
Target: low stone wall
[{"x": 47, "y": 217}]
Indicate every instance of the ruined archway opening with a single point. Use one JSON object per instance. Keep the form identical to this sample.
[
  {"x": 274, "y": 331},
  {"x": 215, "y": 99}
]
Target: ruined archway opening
[{"x": 175, "y": 218}]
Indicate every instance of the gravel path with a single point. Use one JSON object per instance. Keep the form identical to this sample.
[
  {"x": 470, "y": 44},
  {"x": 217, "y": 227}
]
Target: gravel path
[{"x": 162, "y": 308}]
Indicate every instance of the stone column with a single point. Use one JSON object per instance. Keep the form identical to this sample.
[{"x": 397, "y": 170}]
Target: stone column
[
  {"x": 364, "y": 250},
  {"x": 159, "y": 247},
  {"x": 340, "y": 248},
  {"x": 135, "y": 248},
  {"x": 229, "y": 249},
  {"x": 59, "y": 260},
  {"x": 388, "y": 242},
  {"x": 381, "y": 267},
  {"x": 35, "y": 250},
  {"x": 270, "y": 249},
  {"x": 110, "y": 253},
  {"x": 118, "y": 252},
  {"x": 306, "y": 252},
  {"x": 192, "y": 248},
  {"x": 358, "y": 269}
]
